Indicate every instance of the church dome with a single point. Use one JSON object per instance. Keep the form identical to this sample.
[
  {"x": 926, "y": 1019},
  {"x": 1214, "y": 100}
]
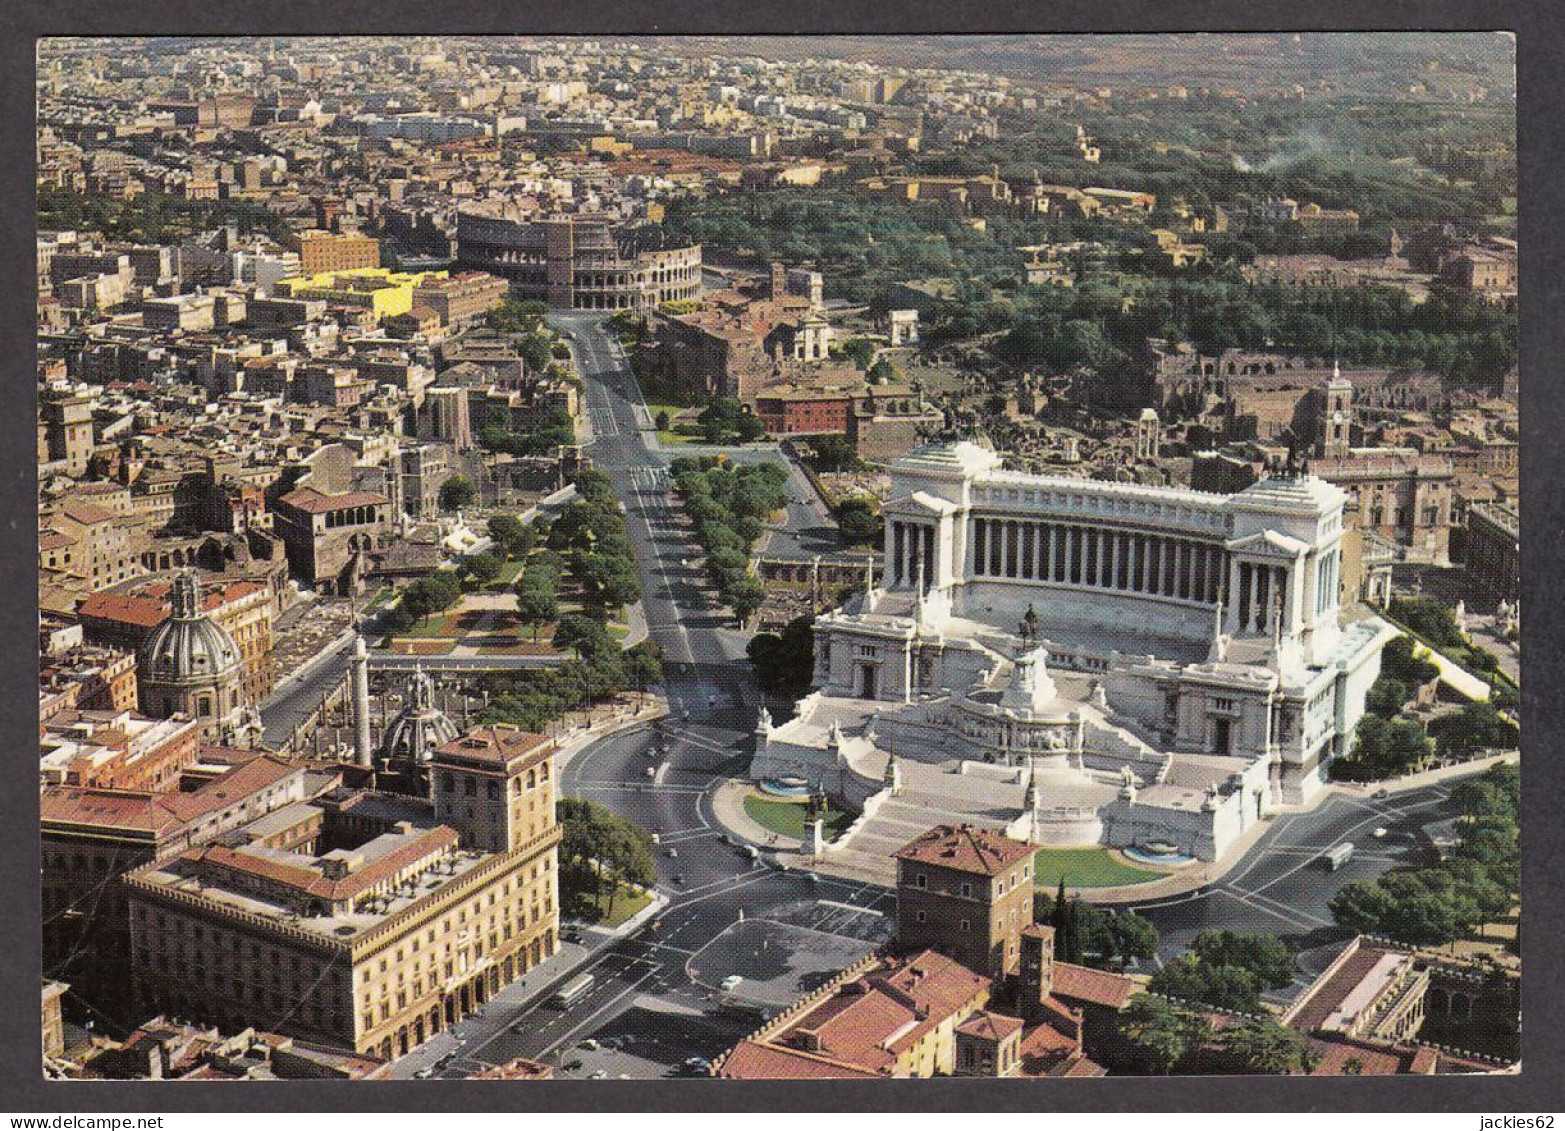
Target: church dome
[
  {"x": 420, "y": 726},
  {"x": 189, "y": 647}
]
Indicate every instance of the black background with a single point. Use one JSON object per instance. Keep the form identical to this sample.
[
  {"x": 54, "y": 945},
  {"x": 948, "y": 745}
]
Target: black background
[{"x": 1541, "y": 110}]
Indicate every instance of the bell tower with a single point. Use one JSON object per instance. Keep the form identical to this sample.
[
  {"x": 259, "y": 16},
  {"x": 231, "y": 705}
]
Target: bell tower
[{"x": 1336, "y": 425}]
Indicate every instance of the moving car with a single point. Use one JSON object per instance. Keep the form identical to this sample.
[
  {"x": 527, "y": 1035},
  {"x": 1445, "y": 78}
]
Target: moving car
[{"x": 1379, "y": 832}]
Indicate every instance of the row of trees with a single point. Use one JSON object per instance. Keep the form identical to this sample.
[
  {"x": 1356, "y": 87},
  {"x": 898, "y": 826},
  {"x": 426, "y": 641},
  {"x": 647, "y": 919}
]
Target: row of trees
[
  {"x": 1434, "y": 621},
  {"x": 728, "y": 504},
  {"x": 554, "y": 430},
  {"x": 590, "y": 534},
  {"x": 433, "y": 593},
  {"x": 1452, "y": 333},
  {"x": 535, "y": 698},
  {"x": 600, "y": 852},
  {"x": 1165, "y": 1036},
  {"x": 1477, "y": 883}
]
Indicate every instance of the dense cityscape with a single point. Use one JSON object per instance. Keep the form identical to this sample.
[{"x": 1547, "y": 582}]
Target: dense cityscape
[{"x": 799, "y": 558}]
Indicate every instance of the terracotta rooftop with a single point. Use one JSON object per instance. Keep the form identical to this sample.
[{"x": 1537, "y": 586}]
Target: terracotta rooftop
[
  {"x": 148, "y": 606},
  {"x": 966, "y": 848},
  {"x": 1096, "y": 987},
  {"x": 752, "y": 1060},
  {"x": 86, "y": 513},
  {"x": 311, "y": 501},
  {"x": 497, "y": 746},
  {"x": 871, "y": 1020},
  {"x": 990, "y": 1026},
  {"x": 158, "y": 813},
  {"x": 311, "y": 882}
]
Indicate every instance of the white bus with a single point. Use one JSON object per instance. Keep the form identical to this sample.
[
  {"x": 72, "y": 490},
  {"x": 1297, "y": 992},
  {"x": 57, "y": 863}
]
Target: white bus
[
  {"x": 573, "y": 991},
  {"x": 1338, "y": 856}
]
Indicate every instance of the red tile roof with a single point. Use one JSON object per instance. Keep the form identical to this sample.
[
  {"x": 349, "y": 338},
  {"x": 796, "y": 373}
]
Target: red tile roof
[
  {"x": 869, "y": 1021},
  {"x": 86, "y": 513},
  {"x": 159, "y": 813},
  {"x": 751, "y": 1060},
  {"x": 313, "y": 883},
  {"x": 1096, "y": 987},
  {"x": 311, "y": 501},
  {"x": 148, "y": 606},
  {"x": 990, "y": 1026},
  {"x": 966, "y": 848},
  {"x": 497, "y": 746}
]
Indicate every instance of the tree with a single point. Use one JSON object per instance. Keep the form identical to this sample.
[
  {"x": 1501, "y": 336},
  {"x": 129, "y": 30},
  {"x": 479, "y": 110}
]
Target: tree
[
  {"x": 860, "y": 351},
  {"x": 1476, "y": 727},
  {"x": 1059, "y": 918},
  {"x": 599, "y": 848},
  {"x": 1132, "y": 935},
  {"x": 859, "y": 519},
  {"x": 456, "y": 492},
  {"x": 587, "y": 637},
  {"x": 537, "y": 600},
  {"x": 431, "y": 593},
  {"x": 833, "y": 452},
  {"x": 1226, "y": 987},
  {"x": 1162, "y": 1033},
  {"x": 1265, "y": 956},
  {"x": 482, "y": 568},
  {"x": 883, "y": 372},
  {"x": 784, "y": 662},
  {"x": 746, "y": 597},
  {"x": 1383, "y": 748},
  {"x": 1261, "y": 1045},
  {"x": 512, "y": 534}
]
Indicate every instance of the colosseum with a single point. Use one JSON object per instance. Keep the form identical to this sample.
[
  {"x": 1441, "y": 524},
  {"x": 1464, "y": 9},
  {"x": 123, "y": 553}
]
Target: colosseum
[{"x": 581, "y": 262}]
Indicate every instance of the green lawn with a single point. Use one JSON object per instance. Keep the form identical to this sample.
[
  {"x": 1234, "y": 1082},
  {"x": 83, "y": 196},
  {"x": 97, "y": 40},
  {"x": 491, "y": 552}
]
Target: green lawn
[
  {"x": 1087, "y": 868},
  {"x": 508, "y": 575},
  {"x": 436, "y": 626},
  {"x": 787, "y": 817},
  {"x": 626, "y": 904},
  {"x": 668, "y": 436}
]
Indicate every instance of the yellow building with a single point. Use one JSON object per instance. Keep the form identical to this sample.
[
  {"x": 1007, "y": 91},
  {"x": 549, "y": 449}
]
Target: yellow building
[
  {"x": 383, "y": 292},
  {"x": 362, "y": 919}
]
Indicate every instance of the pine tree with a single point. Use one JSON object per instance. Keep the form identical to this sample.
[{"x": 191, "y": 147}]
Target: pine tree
[{"x": 1059, "y": 920}]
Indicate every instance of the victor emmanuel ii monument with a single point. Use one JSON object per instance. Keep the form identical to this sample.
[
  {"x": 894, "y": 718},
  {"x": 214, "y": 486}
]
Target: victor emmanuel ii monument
[{"x": 1084, "y": 662}]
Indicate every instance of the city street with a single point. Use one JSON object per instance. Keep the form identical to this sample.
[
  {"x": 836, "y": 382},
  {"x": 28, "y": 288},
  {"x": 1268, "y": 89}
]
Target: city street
[
  {"x": 648, "y": 988},
  {"x": 729, "y": 913},
  {"x": 1284, "y": 887}
]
